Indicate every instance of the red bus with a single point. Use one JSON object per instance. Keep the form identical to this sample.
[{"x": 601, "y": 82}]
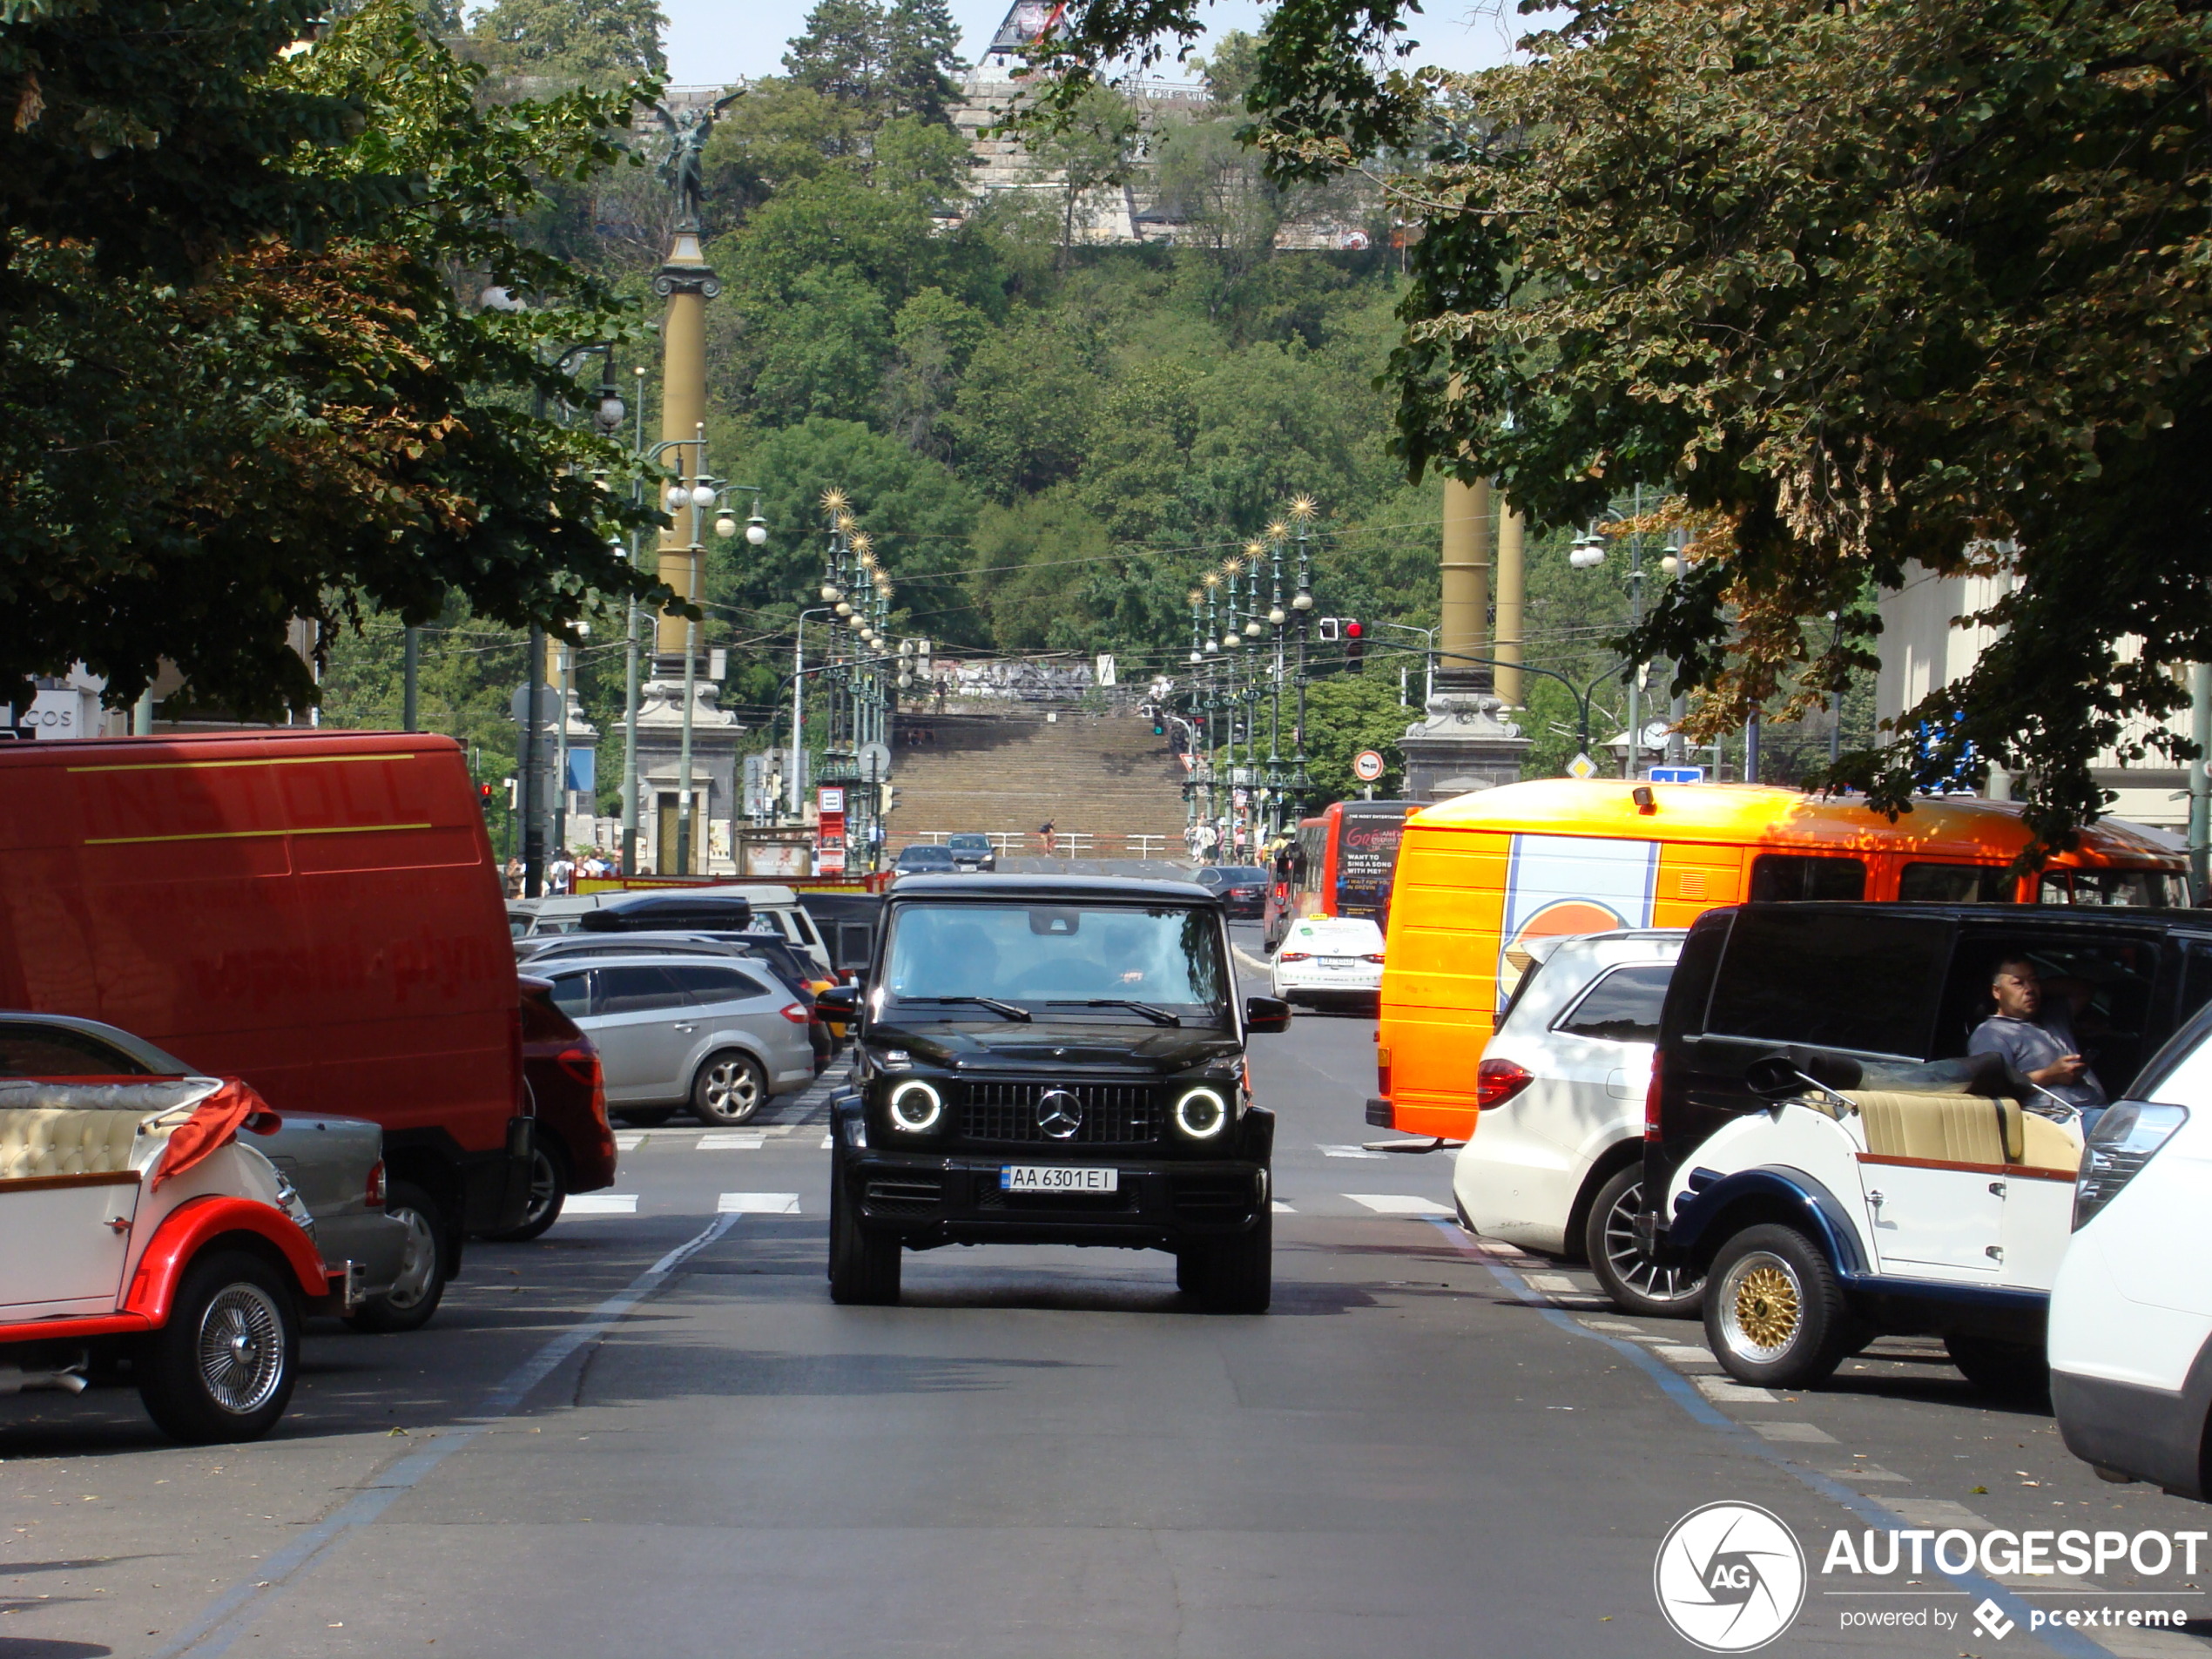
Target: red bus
[{"x": 1341, "y": 864}]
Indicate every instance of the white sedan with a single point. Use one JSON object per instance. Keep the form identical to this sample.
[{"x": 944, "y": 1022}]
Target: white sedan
[{"x": 1330, "y": 961}]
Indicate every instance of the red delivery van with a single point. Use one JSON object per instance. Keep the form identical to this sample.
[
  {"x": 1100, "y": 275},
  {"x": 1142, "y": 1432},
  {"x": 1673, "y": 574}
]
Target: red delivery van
[{"x": 316, "y": 912}]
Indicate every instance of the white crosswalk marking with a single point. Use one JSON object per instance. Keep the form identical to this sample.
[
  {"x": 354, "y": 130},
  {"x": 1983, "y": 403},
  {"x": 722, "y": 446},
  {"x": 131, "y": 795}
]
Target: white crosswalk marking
[
  {"x": 1350, "y": 1152},
  {"x": 829, "y": 1143},
  {"x": 600, "y": 1204},
  {"x": 1551, "y": 1282},
  {"x": 1398, "y": 1204},
  {"x": 629, "y": 1143},
  {"x": 1282, "y": 1209},
  {"x": 758, "y": 1203},
  {"x": 732, "y": 1141},
  {"x": 1725, "y": 1392}
]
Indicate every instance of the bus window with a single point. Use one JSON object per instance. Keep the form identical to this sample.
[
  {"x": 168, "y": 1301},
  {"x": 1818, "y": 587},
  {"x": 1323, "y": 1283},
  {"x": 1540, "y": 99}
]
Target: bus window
[
  {"x": 2159, "y": 888},
  {"x": 1776, "y": 877},
  {"x": 1957, "y": 884}
]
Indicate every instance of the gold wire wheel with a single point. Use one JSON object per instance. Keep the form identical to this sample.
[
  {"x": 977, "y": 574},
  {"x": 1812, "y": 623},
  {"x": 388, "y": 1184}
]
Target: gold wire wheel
[{"x": 1767, "y": 1310}]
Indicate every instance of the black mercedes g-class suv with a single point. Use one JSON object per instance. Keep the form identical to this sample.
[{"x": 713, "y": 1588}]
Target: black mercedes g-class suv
[{"x": 1052, "y": 1060}]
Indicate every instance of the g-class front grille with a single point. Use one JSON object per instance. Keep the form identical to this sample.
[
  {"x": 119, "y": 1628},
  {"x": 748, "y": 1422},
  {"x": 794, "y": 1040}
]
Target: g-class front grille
[{"x": 1112, "y": 1114}]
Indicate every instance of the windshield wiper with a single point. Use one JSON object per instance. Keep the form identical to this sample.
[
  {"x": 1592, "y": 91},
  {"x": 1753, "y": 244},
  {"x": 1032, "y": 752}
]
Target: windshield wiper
[
  {"x": 1011, "y": 1010},
  {"x": 1158, "y": 1016}
]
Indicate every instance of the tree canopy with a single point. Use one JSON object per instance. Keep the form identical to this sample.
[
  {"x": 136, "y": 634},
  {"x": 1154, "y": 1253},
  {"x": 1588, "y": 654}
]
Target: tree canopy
[
  {"x": 1861, "y": 288},
  {"x": 317, "y": 416}
]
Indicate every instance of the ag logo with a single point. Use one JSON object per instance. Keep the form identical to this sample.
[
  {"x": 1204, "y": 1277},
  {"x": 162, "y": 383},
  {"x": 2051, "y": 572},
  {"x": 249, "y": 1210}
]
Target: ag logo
[{"x": 1729, "y": 1577}]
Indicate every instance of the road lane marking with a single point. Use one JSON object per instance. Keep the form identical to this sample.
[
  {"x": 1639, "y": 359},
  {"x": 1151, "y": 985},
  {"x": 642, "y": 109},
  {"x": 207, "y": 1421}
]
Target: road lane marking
[
  {"x": 1555, "y": 1282},
  {"x": 758, "y": 1203},
  {"x": 1350, "y": 1152},
  {"x": 730, "y": 1141},
  {"x": 1873, "y": 1511},
  {"x": 1727, "y": 1392},
  {"x": 628, "y": 1142},
  {"x": 1799, "y": 1433},
  {"x": 213, "y": 1633},
  {"x": 1683, "y": 1354},
  {"x": 829, "y": 1143},
  {"x": 600, "y": 1204},
  {"x": 1398, "y": 1204},
  {"x": 1282, "y": 1209}
]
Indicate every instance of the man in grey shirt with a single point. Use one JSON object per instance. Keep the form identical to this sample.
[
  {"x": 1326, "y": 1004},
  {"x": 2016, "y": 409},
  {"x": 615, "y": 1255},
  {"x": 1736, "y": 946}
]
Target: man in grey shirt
[{"x": 2037, "y": 1041}]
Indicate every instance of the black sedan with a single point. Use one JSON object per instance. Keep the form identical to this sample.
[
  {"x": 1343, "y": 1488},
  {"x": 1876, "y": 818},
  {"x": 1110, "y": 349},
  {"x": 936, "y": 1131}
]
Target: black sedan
[{"x": 1243, "y": 888}]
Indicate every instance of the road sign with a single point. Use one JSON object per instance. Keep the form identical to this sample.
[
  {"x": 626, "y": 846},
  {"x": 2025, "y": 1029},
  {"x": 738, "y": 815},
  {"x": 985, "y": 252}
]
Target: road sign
[
  {"x": 1677, "y": 774},
  {"x": 1367, "y": 765},
  {"x": 1581, "y": 766},
  {"x": 549, "y": 705}
]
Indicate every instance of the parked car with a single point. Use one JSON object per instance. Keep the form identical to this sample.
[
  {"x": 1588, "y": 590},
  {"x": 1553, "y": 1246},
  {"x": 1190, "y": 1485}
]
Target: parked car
[
  {"x": 336, "y": 1164},
  {"x": 133, "y": 1225},
  {"x": 796, "y": 974},
  {"x": 1834, "y": 1160},
  {"x": 972, "y": 852},
  {"x": 722, "y": 908},
  {"x": 1053, "y": 1060},
  {"x": 1243, "y": 889},
  {"x": 574, "y": 1150},
  {"x": 1330, "y": 962},
  {"x": 316, "y": 913},
  {"x": 2131, "y": 1311},
  {"x": 723, "y": 1038},
  {"x": 1555, "y": 1162},
  {"x": 923, "y": 860}
]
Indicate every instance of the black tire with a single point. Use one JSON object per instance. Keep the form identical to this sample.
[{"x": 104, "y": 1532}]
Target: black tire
[
  {"x": 421, "y": 1285},
  {"x": 2009, "y": 1370},
  {"x": 1237, "y": 1275},
  {"x": 548, "y": 1192},
  {"x": 1631, "y": 1279},
  {"x": 863, "y": 1267},
  {"x": 1774, "y": 1317},
  {"x": 645, "y": 1116},
  {"x": 1189, "y": 1272},
  {"x": 728, "y": 1088},
  {"x": 223, "y": 1367}
]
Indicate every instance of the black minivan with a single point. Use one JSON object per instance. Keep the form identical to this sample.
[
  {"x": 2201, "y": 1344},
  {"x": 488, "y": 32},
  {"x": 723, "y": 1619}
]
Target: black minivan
[
  {"x": 1052, "y": 1060},
  {"x": 1831, "y": 986}
]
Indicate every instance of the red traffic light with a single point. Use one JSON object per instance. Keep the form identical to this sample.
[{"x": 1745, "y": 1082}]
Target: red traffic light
[
  {"x": 483, "y": 792},
  {"x": 1351, "y": 629}
]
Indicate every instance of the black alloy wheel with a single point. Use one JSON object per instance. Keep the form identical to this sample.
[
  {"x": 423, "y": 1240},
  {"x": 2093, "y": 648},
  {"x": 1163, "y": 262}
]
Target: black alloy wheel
[
  {"x": 548, "y": 1192},
  {"x": 863, "y": 1265}
]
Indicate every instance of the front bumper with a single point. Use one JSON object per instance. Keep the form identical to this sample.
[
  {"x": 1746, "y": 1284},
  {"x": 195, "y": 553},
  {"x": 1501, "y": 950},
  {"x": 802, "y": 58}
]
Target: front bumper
[
  {"x": 2148, "y": 1434},
  {"x": 955, "y": 1199}
]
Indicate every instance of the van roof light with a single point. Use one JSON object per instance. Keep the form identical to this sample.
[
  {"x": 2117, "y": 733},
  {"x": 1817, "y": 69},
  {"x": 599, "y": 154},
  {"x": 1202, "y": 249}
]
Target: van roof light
[{"x": 1643, "y": 797}]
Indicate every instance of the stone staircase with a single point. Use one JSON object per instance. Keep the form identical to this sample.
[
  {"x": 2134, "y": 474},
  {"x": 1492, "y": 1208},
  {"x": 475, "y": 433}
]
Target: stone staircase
[{"x": 1101, "y": 775}]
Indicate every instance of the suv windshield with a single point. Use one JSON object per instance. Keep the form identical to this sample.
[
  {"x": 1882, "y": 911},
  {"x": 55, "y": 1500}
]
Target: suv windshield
[
  {"x": 1061, "y": 957},
  {"x": 925, "y": 858},
  {"x": 969, "y": 844}
]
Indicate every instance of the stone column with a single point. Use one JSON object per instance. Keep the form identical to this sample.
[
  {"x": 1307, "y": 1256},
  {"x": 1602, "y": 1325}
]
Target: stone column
[
  {"x": 1512, "y": 535},
  {"x": 1463, "y": 745},
  {"x": 687, "y": 282}
]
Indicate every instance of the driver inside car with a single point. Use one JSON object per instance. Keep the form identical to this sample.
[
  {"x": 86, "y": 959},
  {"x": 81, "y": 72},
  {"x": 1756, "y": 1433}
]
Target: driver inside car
[{"x": 2035, "y": 1036}]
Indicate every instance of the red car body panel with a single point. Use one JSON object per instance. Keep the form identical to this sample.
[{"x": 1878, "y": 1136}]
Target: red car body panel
[{"x": 562, "y": 1069}]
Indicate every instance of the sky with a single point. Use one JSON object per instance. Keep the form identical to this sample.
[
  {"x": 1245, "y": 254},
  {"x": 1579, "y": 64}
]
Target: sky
[{"x": 720, "y": 41}]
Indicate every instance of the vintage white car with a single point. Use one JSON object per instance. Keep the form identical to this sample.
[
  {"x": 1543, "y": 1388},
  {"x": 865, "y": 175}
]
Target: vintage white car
[
  {"x": 133, "y": 1224},
  {"x": 1917, "y": 1200}
]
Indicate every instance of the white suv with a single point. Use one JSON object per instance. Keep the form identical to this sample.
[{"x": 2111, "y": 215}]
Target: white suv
[
  {"x": 1555, "y": 1162},
  {"x": 2131, "y": 1311}
]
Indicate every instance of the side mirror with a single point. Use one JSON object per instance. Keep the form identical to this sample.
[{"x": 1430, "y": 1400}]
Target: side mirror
[
  {"x": 1267, "y": 1013},
  {"x": 1772, "y": 1077},
  {"x": 838, "y": 1002}
]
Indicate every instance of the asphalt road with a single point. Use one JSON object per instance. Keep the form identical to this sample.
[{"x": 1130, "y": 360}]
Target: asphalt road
[{"x": 651, "y": 1432}]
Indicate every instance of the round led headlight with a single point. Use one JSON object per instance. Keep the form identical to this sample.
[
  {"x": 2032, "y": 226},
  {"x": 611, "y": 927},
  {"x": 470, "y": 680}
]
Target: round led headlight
[
  {"x": 916, "y": 1106},
  {"x": 1201, "y": 1113}
]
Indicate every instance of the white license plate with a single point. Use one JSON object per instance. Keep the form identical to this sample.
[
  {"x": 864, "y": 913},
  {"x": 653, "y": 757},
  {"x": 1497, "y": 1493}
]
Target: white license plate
[{"x": 1058, "y": 1177}]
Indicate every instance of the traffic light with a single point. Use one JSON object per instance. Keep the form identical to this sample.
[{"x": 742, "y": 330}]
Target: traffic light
[
  {"x": 1354, "y": 646},
  {"x": 484, "y": 797},
  {"x": 1325, "y": 629},
  {"x": 1159, "y": 723}
]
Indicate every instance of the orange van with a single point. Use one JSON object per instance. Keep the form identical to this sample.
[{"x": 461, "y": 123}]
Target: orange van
[
  {"x": 1481, "y": 875},
  {"x": 316, "y": 912}
]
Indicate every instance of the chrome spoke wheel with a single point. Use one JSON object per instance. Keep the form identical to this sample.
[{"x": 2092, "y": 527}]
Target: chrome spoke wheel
[
  {"x": 240, "y": 1348},
  {"x": 1761, "y": 1306},
  {"x": 545, "y": 1186}
]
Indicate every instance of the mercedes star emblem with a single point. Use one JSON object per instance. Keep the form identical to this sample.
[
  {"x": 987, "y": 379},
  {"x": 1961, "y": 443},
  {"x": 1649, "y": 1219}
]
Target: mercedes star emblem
[{"x": 1059, "y": 1114}]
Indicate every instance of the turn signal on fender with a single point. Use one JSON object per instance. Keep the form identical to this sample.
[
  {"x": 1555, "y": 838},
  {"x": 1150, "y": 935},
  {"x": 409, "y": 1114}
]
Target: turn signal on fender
[{"x": 1498, "y": 1081}]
